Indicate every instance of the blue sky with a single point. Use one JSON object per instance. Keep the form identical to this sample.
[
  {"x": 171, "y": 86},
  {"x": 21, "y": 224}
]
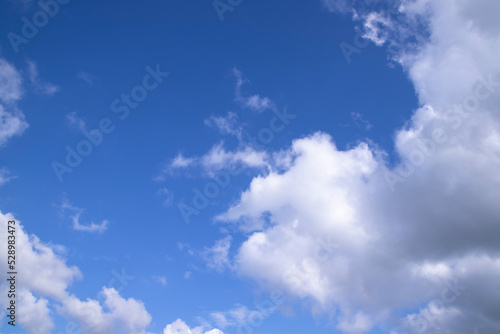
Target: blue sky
[{"x": 369, "y": 127}]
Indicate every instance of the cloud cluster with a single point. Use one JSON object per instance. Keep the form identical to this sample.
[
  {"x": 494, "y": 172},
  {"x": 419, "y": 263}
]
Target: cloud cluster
[
  {"x": 12, "y": 122},
  {"x": 43, "y": 287},
  {"x": 418, "y": 240},
  {"x": 248, "y": 154},
  {"x": 42, "y": 290}
]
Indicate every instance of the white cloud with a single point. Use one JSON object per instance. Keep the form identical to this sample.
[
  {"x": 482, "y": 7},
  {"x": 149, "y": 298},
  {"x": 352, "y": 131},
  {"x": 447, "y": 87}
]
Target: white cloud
[
  {"x": 75, "y": 122},
  {"x": 75, "y": 213},
  {"x": 232, "y": 318},
  {"x": 218, "y": 158},
  {"x": 40, "y": 87},
  {"x": 118, "y": 315},
  {"x": 161, "y": 279},
  {"x": 44, "y": 275},
  {"x": 226, "y": 124},
  {"x": 254, "y": 102},
  {"x": 10, "y": 83},
  {"x": 90, "y": 79},
  {"x": 359, "y": 323},
  {"x": 43, "y": 288},
  {"x": 167, "y": 195},
  {"x": 341, "y": 6},
  {"x": 217, "y": 256},
  {"x": 360, "y": 121},
  {"x": 375, "y": 25},
  {"x": 12, "y": 121},
  {"x": 181, "y": 162},
  {"x": 432, "y": 240},
  {"x": 5, "y": 176},
  {"x": 180, "y": 327},
  {"x": 11, "y": 124}
]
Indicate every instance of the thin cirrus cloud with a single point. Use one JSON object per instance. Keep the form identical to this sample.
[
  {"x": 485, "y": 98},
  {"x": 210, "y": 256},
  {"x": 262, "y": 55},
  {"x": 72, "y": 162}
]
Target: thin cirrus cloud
[
  {"x": 253, "y": 102},
  {"x": 74, "y": 213},
  {"x": 39, "y": 86},
  {"x": 90, "y": 79},
  {"x": 5, "y": 176},
  {"x": 12, "y": 120}
]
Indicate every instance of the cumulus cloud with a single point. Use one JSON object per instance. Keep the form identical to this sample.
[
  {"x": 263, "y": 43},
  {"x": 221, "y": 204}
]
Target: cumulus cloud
[
  {"x": 180, "y": 327},
  {"x": 117, "y": 315},
  {"x": 418, "y": 237},
  {"x": 43, "y": 289}
]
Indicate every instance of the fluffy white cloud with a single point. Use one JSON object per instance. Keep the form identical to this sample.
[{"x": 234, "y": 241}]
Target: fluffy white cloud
[
  {"x": 180, "y": 327},
  {"x": 122, "y": 315},
  {"x": 418, "y": 237},
  {"x": 35, "y": 315},
  {"x": 43, "y": 288}
]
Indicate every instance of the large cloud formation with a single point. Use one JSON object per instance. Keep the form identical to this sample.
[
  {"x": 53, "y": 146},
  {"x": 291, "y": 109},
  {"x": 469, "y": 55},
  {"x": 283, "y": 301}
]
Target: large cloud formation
[{"x": 417, "y": 243}]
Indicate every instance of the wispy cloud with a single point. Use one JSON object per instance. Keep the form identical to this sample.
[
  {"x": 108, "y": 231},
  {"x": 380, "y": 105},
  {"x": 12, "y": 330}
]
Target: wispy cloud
[
  {"x": 5, "y": 176},
  {"x": 216, "y": 159},
  {"x": 74, "y": 213},
  {"x": 167, "y": 195},
  {"x": 161, "y": 279},
  {"x": 226, "y": 124},
  {"x": 75, "y": 122},
  {"x": 217, "y": 256},
  {"x": 360, "y": 121},
  {"x": 253, "y": 102},
  {"x": 40, "y": 87},
  {"x": 90, "y": 79},
  {"x": 12, "y": 120}
]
